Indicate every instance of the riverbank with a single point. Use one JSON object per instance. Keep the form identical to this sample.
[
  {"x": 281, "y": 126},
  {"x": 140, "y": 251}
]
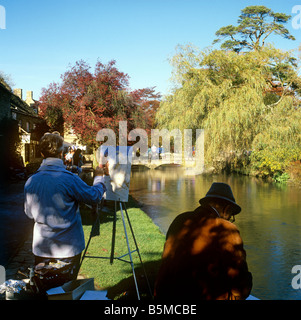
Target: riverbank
[
  {"x": 290, "y": 175},
  {"x": 14, "y": 224}
]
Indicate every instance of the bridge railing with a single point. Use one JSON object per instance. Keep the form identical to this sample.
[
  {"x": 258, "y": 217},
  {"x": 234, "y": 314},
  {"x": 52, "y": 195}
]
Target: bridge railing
[{"x": 165, "y": 158}]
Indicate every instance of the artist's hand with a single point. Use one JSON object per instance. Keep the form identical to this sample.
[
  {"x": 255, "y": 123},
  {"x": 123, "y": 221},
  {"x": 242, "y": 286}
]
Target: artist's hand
[
  {"x": 102, "y": 170},
  {"x": 98, "y": 171}
]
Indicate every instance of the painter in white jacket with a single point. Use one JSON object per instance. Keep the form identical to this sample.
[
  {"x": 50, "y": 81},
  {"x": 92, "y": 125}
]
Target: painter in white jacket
[{"x": 52, "y": 197}]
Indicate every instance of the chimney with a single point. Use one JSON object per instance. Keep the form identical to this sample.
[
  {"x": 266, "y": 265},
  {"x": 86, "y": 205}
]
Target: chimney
[
  {"x": 18, "y": 93},
  {"x": 29, "y": 98}
]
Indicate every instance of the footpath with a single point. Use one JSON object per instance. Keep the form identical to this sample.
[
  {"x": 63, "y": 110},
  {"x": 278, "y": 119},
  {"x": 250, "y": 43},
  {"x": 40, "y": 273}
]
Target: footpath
[
  {"x": 20, "y": 262},
  {"x": 15, "y": 231}
]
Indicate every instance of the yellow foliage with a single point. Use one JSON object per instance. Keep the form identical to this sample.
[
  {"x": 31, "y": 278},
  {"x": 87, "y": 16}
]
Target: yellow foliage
[{"x": 224, "y": 93}]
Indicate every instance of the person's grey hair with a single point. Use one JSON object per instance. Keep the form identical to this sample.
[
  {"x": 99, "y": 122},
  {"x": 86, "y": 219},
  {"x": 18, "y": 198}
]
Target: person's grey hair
[{"x": 51, "y": 145}]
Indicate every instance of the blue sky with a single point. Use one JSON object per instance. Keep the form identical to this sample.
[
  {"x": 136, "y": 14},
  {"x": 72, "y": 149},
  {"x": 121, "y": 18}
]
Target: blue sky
[{"x": 42, "y": 38}]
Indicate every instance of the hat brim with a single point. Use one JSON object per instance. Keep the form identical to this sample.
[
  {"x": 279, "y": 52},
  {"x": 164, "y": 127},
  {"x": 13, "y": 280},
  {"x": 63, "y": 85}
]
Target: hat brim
[{"x": 235, "y": 206}]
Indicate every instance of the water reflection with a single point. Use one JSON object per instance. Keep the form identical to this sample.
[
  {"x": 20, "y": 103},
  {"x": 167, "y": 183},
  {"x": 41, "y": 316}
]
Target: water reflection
[{"x": 270, "y": 221}]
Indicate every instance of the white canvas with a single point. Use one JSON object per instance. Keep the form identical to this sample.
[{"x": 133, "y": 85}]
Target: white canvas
[{"x": 118, "y": 182}]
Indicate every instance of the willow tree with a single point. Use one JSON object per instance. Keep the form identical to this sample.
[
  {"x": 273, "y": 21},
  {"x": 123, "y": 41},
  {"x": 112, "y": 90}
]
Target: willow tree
[
  {"x": 232, "y": 96},
  {"x": 279, "y": 143}
]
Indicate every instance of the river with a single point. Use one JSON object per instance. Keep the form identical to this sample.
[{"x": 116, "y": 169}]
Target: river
[{"x": 269, "y": 223}]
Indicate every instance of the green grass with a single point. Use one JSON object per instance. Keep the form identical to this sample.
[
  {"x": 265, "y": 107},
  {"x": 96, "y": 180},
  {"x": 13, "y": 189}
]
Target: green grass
[{"x": 117, "y": 278}]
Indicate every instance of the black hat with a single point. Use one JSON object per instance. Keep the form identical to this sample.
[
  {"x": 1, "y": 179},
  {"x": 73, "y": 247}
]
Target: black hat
[{"x": 221, "y": 191}]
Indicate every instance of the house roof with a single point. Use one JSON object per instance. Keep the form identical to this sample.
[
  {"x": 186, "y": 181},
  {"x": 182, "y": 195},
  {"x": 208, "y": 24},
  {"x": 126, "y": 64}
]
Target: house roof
[
  {"x": 17, "y": 104},
  {"x": 20, "y": 106},
  {"x": 5, "y": 88}
]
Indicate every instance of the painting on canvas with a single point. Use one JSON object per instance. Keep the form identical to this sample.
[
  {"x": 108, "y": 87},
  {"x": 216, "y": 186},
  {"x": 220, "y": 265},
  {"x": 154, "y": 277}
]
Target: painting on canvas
[{"x": 118, "y": 182}]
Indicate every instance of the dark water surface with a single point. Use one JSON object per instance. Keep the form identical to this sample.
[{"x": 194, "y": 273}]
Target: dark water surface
[{"x": 270, "y": 221}]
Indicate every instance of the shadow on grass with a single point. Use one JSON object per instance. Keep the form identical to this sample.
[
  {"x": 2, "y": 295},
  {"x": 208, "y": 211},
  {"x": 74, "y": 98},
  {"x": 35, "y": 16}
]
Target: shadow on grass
[{"x": 126, "y": 290}]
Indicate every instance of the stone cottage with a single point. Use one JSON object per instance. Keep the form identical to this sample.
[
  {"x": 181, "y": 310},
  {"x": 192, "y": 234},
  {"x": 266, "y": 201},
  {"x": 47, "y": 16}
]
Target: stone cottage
[{"x": 12, "y": 106}]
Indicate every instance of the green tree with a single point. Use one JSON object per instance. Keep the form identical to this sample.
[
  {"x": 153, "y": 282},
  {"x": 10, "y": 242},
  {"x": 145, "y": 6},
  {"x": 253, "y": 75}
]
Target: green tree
[
  {"x": 230, "y": 96},
  {"x": 255, "y": 25},
  {"x": 279, "y": 142}
]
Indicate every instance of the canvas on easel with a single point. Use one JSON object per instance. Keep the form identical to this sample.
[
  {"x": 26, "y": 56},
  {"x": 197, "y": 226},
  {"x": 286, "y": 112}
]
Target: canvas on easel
[{"x": 118, "y": 181}]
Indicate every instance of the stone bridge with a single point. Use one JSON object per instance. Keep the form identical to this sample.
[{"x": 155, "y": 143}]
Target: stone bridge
[{"x": 167, "y": 159}]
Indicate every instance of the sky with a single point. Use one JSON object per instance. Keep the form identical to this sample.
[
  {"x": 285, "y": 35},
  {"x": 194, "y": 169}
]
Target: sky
[{"x": 42, "y": 39}]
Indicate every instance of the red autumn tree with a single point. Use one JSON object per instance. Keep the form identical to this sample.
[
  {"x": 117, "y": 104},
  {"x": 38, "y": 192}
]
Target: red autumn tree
[
  {"x": 149, "y": 100},
  {"x": 88, "y": 102},
  {"x": 50, "y": 107}
]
